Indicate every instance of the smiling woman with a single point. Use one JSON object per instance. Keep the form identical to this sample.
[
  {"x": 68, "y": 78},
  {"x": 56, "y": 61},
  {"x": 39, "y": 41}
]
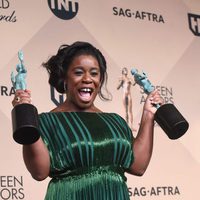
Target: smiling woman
[
  {"x": 84, "y": 150},
  {"x": 82, "y": 83},
  {"x": 79, "y": 70}
]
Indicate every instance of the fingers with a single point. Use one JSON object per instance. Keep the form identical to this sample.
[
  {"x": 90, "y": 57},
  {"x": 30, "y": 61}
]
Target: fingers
[
  {"x": 22, "y": 96},
  {"x": 155, "y": 98}
]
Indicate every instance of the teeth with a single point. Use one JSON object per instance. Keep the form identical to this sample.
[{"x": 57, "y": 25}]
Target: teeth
[{"x": 86, "y": 90}]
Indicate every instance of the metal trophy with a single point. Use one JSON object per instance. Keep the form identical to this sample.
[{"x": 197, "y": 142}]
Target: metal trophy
[
  {"x": 24, "y": 116},
  {"x": 167, "y": 115}
]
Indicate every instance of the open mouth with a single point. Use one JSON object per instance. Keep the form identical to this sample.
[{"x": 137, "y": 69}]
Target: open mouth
[{"x": 85, "y": 93}]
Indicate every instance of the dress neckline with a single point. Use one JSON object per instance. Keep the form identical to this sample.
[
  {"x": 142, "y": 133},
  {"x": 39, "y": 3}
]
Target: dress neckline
[{"x": 77, "y": 112}]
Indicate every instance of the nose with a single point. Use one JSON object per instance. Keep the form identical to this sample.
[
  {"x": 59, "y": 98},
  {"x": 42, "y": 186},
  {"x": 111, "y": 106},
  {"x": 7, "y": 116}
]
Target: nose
[{"x": 87, "y": 78}]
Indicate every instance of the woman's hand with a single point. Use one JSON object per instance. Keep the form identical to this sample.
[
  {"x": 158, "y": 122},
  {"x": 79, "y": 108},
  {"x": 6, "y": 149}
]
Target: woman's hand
[
  {"x": 152, "y": 99},
  {"x": 22, "y": 96}
]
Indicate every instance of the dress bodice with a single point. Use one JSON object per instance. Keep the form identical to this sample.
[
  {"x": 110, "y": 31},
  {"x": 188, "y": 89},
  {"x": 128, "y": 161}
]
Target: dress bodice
[{"x": 83, "y": 143}]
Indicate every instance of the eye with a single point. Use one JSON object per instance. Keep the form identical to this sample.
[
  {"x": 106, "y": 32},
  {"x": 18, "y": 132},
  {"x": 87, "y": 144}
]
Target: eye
[
  {"x": 78, "y": 72},
  {"x": 94, "y": 72}
]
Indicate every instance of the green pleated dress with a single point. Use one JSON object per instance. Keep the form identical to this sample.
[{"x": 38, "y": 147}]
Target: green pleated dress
[{"x": 89, "y": 154}]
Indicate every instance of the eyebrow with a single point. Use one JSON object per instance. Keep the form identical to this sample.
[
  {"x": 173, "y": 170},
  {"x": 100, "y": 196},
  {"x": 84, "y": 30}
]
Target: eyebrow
[{"x": 81, "y": 67}]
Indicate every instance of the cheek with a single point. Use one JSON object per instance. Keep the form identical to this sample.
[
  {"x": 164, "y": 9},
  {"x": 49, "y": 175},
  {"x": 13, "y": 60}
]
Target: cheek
[
  {"x": 72, "y": 81},
  {"x": 97, "y": 82},
  {"x": 98, "y": 85}
]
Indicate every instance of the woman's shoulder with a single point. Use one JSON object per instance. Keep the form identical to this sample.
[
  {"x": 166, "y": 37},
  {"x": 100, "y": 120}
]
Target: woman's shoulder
[
  {"x": 113, "y": 115},
  {"x": 54, "y": 111}
]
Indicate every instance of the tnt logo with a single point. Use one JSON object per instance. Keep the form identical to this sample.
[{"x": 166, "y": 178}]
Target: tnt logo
[
  {"x": 63, "y": 9},
  {"x": 194, "y": 23}
]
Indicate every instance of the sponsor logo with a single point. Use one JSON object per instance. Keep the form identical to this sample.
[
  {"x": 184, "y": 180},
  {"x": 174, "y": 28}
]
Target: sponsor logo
[
  {"x": 64, "y": 9},
  {"x": 56, "y": 98},
  {"x": 154, "y": 191},
  {"x": 138, "y": 15},
  {"x": 11, "y": 187},
  {"x": 165, "y": 92},
  {"x": 194, "y": 23},
  {"x": 6, "y": 91},
  {"x": 7, "y": 15}
]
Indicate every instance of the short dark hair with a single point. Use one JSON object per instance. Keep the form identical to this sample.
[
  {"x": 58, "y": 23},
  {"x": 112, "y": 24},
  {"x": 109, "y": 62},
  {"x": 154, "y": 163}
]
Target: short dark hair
[{"x": 58, "y": 64}]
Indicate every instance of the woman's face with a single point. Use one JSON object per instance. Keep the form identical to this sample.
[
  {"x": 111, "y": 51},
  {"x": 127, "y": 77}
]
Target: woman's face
[{"x": 83, "y": 82}]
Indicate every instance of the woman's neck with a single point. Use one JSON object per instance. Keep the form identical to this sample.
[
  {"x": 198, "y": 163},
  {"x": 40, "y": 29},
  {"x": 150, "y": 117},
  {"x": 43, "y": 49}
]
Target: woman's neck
[{"x": 69, "y": 107}]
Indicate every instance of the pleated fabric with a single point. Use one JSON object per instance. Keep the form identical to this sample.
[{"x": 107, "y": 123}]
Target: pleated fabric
[{"x": 89, "y": 154}]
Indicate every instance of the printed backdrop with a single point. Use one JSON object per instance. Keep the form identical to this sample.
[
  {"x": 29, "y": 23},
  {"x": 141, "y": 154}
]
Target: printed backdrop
[{"x": 160, "y": 37}]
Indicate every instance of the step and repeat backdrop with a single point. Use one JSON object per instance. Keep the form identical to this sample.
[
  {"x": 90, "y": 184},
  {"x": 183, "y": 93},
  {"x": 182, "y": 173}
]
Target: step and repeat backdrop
[{"x": 161, "y": 38}]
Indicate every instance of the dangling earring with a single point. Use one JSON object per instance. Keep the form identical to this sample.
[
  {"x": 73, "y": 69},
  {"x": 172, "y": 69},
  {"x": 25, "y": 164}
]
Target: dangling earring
[{"x": 65, "y": 88}]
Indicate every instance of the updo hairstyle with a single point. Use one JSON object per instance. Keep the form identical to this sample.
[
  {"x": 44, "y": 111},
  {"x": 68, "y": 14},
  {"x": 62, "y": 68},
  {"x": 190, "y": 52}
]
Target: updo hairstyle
[{"x": 58, "y": 64}]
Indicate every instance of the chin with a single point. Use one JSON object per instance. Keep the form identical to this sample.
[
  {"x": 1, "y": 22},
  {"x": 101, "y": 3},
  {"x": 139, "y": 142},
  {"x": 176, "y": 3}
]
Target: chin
[{"x": 85, "y": 106}]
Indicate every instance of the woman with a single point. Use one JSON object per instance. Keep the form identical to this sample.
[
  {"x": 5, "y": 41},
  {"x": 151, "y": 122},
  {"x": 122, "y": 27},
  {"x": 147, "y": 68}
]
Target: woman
[{"x": 84, "y": 150}]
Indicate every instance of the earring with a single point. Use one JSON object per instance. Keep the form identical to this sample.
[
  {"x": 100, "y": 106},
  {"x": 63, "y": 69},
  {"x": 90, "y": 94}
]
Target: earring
[{"x": 65, "y": 88}]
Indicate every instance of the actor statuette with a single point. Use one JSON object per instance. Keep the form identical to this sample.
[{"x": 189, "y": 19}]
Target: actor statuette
[
  {"x": 24, "y": 115},
  {"x": 167, "y": 115}
]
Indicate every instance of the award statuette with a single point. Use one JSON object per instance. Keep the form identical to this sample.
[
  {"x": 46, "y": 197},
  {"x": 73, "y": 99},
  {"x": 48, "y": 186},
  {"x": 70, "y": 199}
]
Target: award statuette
[
  {"x": 167, "y": 115},
  {"x": 24, "y": 116}
]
